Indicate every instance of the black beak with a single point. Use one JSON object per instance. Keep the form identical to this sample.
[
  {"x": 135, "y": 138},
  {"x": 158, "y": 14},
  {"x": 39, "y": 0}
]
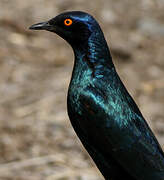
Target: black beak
[{"x": 42, "y": 26}]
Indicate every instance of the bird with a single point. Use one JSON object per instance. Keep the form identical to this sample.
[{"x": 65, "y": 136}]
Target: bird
[{"x": 102, "y": 112}]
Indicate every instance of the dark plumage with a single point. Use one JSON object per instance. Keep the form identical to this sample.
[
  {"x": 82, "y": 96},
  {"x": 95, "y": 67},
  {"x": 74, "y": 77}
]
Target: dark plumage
[{"x": 103, "y": 114}]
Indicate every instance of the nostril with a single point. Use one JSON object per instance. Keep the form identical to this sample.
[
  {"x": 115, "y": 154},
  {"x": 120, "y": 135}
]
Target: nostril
[{"x": 51, "y": 22}]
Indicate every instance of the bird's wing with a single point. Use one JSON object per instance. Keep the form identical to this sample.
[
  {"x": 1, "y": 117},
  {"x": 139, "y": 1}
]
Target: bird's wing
[{"x": 123, "y": 128}]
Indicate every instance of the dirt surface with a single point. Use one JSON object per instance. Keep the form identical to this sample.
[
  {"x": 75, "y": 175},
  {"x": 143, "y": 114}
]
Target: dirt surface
[{"x": 37, "y": 141}]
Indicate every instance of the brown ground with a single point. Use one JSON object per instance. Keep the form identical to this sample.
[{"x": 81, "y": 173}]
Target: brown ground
[{"x": 37, "y": 141}]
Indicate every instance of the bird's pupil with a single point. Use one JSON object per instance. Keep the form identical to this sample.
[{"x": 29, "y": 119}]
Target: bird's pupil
[{"x": 67, "y": 22}]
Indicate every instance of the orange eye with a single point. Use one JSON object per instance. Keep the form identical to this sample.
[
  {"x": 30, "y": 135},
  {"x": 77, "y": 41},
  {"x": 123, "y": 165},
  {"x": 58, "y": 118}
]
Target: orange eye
[{"x": 67, "y": 22}]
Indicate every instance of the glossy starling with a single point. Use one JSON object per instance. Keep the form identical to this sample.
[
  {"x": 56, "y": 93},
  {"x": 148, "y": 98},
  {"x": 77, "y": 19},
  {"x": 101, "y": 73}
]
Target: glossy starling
[{"x": 103, "y": 114}]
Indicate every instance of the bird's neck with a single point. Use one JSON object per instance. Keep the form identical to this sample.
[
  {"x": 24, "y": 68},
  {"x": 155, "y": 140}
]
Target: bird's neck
[{"x": 95, "y": 53}]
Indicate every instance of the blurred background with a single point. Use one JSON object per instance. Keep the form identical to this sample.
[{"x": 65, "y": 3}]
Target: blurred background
[{"x": 37, "y": 141}]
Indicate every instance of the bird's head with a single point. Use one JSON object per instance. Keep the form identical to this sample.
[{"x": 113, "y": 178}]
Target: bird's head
[{"x": 75, "y": 27}]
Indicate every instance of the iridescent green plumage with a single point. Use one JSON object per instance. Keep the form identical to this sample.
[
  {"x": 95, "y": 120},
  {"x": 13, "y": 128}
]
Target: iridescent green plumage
[{"x": 103, "y": 114}]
